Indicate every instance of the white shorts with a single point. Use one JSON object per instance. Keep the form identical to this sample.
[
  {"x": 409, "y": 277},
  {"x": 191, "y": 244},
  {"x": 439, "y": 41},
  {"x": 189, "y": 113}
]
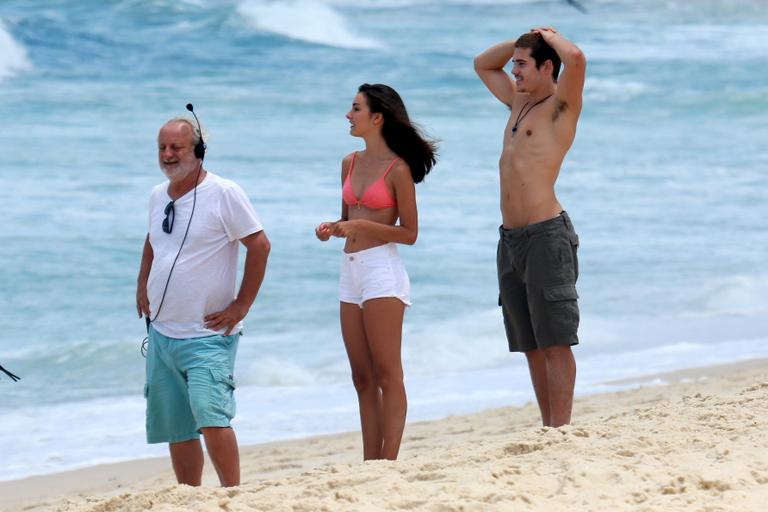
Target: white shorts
[{"x": 374, "y": 273}]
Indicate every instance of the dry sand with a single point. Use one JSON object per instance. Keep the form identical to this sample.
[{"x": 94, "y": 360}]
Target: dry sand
[{"x": 698, "y": 443}]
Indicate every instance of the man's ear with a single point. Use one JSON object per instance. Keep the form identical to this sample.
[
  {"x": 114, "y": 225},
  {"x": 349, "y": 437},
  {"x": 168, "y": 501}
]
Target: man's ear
[{"x": 547, "y": 66}]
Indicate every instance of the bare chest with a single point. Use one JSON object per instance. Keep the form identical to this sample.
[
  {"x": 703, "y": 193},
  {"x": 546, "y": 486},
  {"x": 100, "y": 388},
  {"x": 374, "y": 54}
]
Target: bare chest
[{"x": 526, "y": 126}]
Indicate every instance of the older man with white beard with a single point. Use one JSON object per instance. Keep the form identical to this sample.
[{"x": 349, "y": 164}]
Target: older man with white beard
[{"x": 186, "y": 290}]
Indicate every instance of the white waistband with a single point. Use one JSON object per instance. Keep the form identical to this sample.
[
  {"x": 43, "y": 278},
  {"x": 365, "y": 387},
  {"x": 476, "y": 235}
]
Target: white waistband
[{"x": 380, "y": 251}]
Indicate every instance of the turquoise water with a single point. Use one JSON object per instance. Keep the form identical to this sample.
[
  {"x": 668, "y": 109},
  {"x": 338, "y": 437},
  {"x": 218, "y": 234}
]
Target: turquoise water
[{"x": 665, "y": 183}]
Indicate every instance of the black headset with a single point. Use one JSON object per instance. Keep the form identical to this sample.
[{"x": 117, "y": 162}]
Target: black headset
[{"x": 200, "y": 147}]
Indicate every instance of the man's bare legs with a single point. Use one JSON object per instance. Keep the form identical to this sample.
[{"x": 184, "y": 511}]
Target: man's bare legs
[
  {"x": 187, "y": 460},
  {"x": 187, "y": 457},
  {"x": 221, "y": 443},
  {"x": 553, "y": 373},
  {"x": 537, "y": 365}
]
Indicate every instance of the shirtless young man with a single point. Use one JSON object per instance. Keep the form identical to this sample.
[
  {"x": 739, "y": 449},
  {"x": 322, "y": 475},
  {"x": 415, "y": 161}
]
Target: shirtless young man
[{"x": 537, "y": 263}]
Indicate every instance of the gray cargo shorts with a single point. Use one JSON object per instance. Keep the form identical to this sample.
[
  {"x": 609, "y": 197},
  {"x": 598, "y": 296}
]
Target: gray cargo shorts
[{"x": 538, "y": 268}]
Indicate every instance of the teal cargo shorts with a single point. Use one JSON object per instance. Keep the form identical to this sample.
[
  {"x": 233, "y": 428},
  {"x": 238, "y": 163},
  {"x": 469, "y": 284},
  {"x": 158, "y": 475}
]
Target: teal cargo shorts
[{"x": 189, "y": 385}]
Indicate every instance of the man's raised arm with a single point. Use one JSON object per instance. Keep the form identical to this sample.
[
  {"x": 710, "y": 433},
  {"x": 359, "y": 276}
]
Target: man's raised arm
[
  {"x": 489, "y": 66},
  {"x": 570, "y": 86}
]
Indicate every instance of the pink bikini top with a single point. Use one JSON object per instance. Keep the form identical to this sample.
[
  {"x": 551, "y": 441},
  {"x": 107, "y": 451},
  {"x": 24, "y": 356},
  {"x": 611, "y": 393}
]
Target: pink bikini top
[{"x": 375, "y": 197}]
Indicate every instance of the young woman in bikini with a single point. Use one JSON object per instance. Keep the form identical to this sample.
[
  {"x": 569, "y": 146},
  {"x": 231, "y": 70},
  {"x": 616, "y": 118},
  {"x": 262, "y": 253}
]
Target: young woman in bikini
[{"x": 377, "y": 190}]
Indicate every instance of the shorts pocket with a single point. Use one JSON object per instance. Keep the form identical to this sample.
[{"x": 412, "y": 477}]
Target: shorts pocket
[
  {"x": 146, "y": 390},
  {"x": 222, "y": 400},
  {"x": 228, "y": 340},
  {"x": 558, "y": 318},
  {"x": 560, "y": 293},
  {"x": 223, "y": 377}
]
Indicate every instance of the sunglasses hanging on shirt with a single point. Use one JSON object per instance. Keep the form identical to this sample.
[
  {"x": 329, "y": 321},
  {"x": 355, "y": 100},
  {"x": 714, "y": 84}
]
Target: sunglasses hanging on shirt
[{"x": 170, "y": 214}]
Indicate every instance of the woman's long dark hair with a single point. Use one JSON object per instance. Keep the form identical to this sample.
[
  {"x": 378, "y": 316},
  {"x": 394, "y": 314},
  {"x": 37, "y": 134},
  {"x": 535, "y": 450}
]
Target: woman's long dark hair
[{"x": 400, "y": 134}]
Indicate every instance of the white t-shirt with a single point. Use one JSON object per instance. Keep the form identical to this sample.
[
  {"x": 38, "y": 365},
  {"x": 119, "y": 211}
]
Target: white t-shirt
[{"x": 204, "y": 278}]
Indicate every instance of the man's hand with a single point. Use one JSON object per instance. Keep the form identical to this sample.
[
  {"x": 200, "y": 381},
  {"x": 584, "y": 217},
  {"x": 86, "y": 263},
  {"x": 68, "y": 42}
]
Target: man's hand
[
  {"x": 142, "y": 301},
  {"x": 228, "y": 318},
  {"x": 547, "y": 33},
  {"x": 324, "y": 230},
  {"x": 550, "y": 36}
]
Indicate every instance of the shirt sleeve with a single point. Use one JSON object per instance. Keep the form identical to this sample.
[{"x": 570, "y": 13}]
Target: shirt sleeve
[
  {"x": 237, "y": 214},
  {"x": 151, "y": 205}
]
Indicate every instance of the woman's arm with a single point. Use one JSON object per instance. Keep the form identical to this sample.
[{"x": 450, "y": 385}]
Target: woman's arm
[{"x": 325, "y": 229}]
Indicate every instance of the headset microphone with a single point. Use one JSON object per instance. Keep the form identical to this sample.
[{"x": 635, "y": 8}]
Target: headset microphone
[{"x": 200, "y": 147}]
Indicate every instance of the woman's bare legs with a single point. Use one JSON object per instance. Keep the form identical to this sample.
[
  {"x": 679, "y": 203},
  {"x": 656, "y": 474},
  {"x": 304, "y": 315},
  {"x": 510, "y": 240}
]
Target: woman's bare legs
[
  {"x": 360, "y": 361},
  {"x": 383, "y": 321},
  {"x": 372, "y": 337}
]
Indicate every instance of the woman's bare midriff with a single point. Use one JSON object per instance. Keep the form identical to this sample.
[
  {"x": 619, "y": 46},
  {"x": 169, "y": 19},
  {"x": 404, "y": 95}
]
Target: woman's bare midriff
[{"x": 359, "y": 242}]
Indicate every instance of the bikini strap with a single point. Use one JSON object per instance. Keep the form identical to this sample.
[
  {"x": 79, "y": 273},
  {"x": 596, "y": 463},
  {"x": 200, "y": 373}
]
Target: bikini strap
[
  {"x": 352, "y": 164},
  {"x": 391, "y": 166}
]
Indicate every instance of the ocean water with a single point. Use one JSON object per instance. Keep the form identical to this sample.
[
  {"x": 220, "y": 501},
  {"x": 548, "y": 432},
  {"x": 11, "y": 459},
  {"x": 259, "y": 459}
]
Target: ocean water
[{"x": 665, "y": 183}]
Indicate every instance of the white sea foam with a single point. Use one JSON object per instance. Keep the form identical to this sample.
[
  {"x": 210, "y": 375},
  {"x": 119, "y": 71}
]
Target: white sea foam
[
  {"x": 737, "y": 295},
  {"x": 469, "y": 342},
  {"x": 605, "y": 89},
  {"x": 13, "y": 55},
  {"x": 273, "y": 371},
  {"x": 305, "y": 20},
  {"x": 649, "y": 44}
]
